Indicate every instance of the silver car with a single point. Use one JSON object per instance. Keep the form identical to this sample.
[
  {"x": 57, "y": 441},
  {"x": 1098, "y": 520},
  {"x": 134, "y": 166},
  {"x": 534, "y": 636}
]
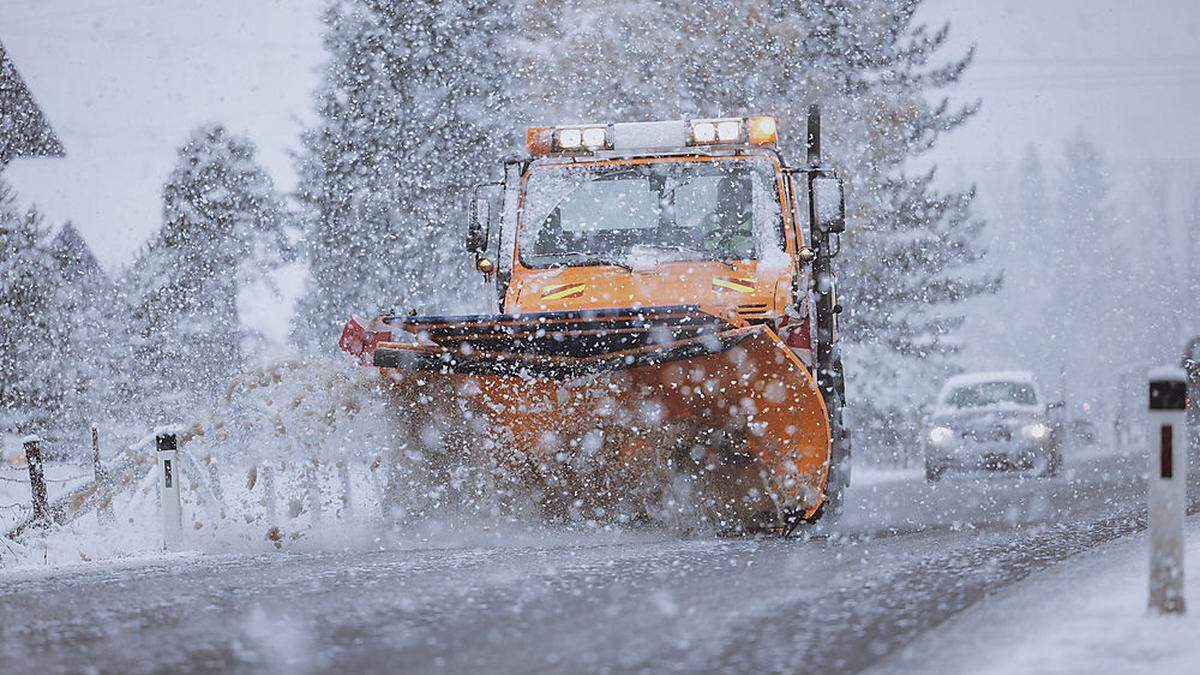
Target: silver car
[{"x": 990, "y": 421}]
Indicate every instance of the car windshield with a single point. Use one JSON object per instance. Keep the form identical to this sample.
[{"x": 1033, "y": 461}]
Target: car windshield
[
  {"x": 583, "y": 214},
  {"x": 983, "y": 394}
]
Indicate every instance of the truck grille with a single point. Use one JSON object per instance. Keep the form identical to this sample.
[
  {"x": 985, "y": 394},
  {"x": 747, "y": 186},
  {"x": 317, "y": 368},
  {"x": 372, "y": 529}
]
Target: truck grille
[
  {"x": 752, "y": 310},
  {"x": 986, "y": 435}
]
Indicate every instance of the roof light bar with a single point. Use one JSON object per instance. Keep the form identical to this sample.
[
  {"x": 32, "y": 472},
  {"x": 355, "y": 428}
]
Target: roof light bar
[
  {"x": 733, "y": 131},
  {"x": 539, "y": 140},
  {"x": 703, "y": 133},
  {"x": 585, "y": 138},
  {"x": 729, "y": 131},
  {"x": 762, "y": 130}
]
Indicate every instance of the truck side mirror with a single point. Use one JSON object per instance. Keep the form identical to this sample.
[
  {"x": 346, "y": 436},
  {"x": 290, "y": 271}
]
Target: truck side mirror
[
  {"x": 479, "y": 215},
  {"x": 478, "y": 219},
  {"x": 829, "y": 203}
]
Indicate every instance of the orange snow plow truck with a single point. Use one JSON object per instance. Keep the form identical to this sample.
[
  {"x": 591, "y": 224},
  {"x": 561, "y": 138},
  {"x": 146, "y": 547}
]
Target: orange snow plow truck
[{"x": 666, "y": 326}]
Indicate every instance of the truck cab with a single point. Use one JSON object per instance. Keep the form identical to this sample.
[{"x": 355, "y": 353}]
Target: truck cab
[
  {"x": 666, "y": 311},
  {"x": 703, "y": 213}
]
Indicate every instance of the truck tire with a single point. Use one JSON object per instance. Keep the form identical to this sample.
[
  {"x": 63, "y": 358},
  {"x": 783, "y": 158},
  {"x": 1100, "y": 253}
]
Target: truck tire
[
  {"x": 1053, "y": 463},
  {"x": 840, "y": 443},
  {"x": 933, "y": 473}
]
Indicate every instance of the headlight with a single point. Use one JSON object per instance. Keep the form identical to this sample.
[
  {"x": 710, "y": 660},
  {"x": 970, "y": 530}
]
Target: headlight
[
  {"x": 939, "y": 435},
  {"x": 1037, "y": 431}
]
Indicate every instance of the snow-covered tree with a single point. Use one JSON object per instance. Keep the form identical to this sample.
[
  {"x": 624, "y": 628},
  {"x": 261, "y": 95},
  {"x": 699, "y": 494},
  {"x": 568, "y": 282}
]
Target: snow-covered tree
[
  {"x": 222, "y": 229},
  {"x": 29, "y": 394},
  {"x": 1082, "y": 260},
  {"x": 91, "y": 334},
  {"x": 407, "y": 116}
]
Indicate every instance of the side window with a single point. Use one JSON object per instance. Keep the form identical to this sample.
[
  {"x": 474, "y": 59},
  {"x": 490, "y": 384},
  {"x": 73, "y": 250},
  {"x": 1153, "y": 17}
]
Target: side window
[
  {"x": 799, "y": 190},
  {"x": 766, "y": 207}
]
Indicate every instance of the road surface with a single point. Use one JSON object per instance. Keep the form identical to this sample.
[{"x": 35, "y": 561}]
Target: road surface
[{"x": 906, "y": 557}]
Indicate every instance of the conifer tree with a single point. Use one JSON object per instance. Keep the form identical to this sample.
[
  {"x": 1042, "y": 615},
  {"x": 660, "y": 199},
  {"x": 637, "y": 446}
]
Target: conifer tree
[
  {"x": 222, "y": 229},
  {"x": 407, "y": 108},
  {"x": 29, "y": 394},
  {"x": 91, "y": 334}
]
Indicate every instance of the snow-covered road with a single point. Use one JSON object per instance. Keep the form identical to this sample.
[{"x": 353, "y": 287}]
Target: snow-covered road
[{"x": 907, "y": 557}]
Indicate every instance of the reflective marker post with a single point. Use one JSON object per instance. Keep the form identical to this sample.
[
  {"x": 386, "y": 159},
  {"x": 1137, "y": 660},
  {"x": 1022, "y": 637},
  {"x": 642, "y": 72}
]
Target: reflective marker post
[
  {"x": 166, "y": 443},
  {"x": 1168, "y": 484},
  {"x": 37, "y": 479}
]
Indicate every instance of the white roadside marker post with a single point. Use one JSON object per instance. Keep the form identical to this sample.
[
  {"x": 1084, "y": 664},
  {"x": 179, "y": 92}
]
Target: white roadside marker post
[
  {"x": 1168, "y": 483},
  {"x": 166, "y": 443}
]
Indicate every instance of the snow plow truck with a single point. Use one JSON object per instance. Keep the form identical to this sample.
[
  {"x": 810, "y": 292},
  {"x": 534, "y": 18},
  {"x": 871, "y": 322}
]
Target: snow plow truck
[{"x": 666, "y": 324}]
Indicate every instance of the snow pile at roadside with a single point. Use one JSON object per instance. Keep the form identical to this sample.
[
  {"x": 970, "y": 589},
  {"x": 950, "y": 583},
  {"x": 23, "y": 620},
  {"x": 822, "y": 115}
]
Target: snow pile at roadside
[
  {"x": 1086, "y": 615},
  {"x": 303, "y": 457},
  {"x": 318, "y": 429}
]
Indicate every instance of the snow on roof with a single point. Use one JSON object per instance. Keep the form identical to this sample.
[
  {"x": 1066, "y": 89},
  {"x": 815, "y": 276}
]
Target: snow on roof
[
  {"x": 993, "y": 376},
  {"x": 24, "y": 131},
  {"x": 168, "y": 429},
  {"x": 990, "y": 376},
  {"x": 1167, "y": 373}
]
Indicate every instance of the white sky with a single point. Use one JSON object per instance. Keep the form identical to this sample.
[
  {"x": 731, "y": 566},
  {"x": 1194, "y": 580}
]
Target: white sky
[
  {"x": 124, "y": 81},
  {"x": 1126, "y": 72}
]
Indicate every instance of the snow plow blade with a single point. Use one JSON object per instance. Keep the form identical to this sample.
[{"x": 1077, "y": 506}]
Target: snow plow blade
[{"x": 616, "y": 414}]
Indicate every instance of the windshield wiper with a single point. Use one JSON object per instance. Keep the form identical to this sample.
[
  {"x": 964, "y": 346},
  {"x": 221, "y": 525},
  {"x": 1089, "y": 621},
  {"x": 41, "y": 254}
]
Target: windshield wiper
[
  {"x": 670, "y": 247},
  {"x": 605, "y": 261},
  {"x": 726, "y": 260},
  {"x": 588, "y": 260}
]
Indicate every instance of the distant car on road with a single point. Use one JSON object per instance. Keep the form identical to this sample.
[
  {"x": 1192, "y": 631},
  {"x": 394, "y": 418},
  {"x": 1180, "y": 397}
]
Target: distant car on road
[
  {"x": 993, "y": 421},
  {"x": 1083, "y": 432}
]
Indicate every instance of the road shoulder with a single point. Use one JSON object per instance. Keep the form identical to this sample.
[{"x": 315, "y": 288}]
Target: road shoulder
[{"x": 1084, "y": 615}]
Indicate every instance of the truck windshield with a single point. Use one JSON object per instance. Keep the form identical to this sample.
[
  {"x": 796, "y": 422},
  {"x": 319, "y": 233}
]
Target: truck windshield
[{"x": 636, "y": 214}]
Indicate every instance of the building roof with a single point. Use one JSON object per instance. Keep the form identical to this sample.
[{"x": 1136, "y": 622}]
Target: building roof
[
  {"x": 74, "y": 255},
  {"x": 24, "y": 131}
]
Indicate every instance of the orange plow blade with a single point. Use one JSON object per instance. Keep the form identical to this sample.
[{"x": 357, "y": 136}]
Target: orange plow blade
[{"x": 619, "y": 415}]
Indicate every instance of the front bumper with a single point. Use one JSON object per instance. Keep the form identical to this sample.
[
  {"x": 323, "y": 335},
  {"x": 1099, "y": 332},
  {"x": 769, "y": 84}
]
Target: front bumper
[{"x": 986, "y": 457}]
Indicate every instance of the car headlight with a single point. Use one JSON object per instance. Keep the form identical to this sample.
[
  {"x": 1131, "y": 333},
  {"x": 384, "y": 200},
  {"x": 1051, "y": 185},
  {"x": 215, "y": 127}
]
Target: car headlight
[
  {"x": 1037, "y": 431},
  {"x": 939, "y": 435}
]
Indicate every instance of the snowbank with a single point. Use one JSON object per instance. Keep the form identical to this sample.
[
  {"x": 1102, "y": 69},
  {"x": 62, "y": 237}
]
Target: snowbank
[
  {"x": 1086, "y": 615},
  {"x": 297, "y": 457}
]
